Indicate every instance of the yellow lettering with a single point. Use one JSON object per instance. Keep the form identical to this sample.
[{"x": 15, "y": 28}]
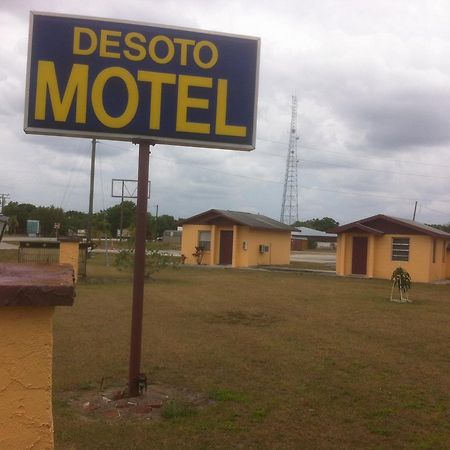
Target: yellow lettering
[
  {"x": 184, "y": 43},
  {"x": 77, "y": 83},
  {"x": 170, "y": 49},
  {"x": 221, "y": 114},
  {"x": 130, "y": 43},
  {"x": 77, "y": 32},
  {"x": 185, "y": 102},
  {"x": 97, "y": 97},
  {"x": 105, "y": 43},
  {"x": 214, "y": 54},
  {"x": 157, "y": 80}
]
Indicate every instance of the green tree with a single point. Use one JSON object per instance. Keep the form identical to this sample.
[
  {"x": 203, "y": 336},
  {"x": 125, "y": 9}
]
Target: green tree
[
  {"x": 100, "y": 225},
  {"x": 324, "y": 224},
  {"x": 13, "y": 223},
  {"x": 157, "y": 225},
  {"x": 75, "y": 220},
  {"x": 22, "y": 212},
  {"x": 445, "y": 227},
  {"x": 113, "y": 216},
  {"x": 48, "y": 216}
]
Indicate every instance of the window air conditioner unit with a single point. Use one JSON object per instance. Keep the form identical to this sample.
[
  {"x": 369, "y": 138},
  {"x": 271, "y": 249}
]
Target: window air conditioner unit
[{"x": 263, "y": 248}]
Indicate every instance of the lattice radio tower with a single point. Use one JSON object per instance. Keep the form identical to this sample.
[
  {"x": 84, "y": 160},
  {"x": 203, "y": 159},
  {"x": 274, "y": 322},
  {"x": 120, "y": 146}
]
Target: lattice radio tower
[{"x": 289, "y": 205}]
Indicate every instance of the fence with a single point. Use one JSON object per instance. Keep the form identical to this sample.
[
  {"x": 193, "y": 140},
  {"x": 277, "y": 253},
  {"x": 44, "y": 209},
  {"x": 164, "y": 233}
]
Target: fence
[{"x": 47, "y": 252}]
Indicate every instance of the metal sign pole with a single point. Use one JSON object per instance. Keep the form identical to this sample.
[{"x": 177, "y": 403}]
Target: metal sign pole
[{"x": 139, "y": 270}]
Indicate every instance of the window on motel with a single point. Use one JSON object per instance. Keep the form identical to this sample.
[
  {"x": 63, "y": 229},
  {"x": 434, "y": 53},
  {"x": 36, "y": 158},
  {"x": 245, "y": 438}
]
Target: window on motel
[
  {"x": 400, "y": 249},
  {"x": 204, "y": 240}
]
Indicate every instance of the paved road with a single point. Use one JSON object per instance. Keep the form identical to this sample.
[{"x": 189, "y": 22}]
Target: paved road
[
  {"x": 314, "y": 257},
  {"x": 305, "y": 256}
]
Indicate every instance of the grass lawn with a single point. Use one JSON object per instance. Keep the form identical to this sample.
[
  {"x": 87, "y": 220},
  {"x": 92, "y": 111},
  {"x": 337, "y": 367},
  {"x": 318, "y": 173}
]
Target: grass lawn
[{"x": 281, "y": 361}]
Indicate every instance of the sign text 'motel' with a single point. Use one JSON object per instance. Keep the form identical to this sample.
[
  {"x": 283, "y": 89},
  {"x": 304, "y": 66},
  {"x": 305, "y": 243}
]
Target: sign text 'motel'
[{"x": 120, "y": 80}]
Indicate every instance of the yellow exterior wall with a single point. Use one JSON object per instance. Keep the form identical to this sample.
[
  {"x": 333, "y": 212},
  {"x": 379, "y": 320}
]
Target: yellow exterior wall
[
  {"x": 447, "y": 257},
  {"x": 69, "y": 254},
  {"x": 341, "y": 247},
  {"x": 379, "y": 257},
  {"x": 189, "y": 240},
  {"x": 279, "y": 243},
  {"x": 25, "y": 378}
]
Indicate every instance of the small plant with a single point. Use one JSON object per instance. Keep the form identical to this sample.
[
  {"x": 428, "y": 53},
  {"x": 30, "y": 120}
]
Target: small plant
[
  {"x": 401, "y": 282},
  {"x": 155, "y": 261},
  {"x": 198, "y": 254}
]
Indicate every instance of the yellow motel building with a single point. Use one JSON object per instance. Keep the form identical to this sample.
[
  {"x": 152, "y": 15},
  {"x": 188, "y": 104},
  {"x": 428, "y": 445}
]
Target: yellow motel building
[
  {"x": 237, "y": 239},
  {"x": 375, "y": 246}
]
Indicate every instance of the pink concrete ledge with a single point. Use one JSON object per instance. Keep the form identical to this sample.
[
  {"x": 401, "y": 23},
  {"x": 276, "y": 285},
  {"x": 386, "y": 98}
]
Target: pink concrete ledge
[{"x": 36, "y": 285}]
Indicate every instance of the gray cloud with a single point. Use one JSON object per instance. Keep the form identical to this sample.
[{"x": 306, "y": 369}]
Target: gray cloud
[{"x": 373, "y": 99}]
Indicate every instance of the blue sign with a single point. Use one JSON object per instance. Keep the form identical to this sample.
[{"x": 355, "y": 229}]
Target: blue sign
[{"x": 117, "y": 80}]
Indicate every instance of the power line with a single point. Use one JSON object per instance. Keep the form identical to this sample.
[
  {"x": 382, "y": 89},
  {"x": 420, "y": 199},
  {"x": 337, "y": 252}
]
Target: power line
[
  {"x": 438, "y": 212},
  {"x": 302, "y": 187},
  {"x": 352, "y": 155},
  {"x": 346, "y": 166},
  {"x": 230, "y": 174}
]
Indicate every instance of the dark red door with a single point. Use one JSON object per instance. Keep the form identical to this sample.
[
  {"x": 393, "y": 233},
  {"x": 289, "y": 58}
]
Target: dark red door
[
  {"x": 226, "y": 247},
  {"x": 359, "y": 256}
]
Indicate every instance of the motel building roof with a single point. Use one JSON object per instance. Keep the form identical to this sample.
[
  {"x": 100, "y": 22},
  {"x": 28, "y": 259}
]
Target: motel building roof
[
  {"x": 382, "y": 224},
  {"x": 226, "y": 217},
  {"x": 311, "y": 233}
]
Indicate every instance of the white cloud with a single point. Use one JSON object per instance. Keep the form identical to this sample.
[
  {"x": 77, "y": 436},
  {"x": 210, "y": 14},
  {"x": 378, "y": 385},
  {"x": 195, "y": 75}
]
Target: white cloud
[{"x": 373, "y": 85}]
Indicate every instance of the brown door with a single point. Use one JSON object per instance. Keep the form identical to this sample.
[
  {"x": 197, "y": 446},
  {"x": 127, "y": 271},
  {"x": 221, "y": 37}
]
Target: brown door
[
  {"x": 359, "y": 256},
  {"x": 226, "y": 247}
]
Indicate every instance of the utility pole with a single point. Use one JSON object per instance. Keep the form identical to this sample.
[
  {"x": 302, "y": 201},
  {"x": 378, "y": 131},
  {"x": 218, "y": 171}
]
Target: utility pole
[
  {"x": 121, "y": 214},
  {"x": 91, "y": 190},
  {"x": 289, "y": 204},
  {"x": 415, "y": 209},
  {"x": 156, "y": 223},
  {"x": 3, "y": 198},
  {"x": 135, "y": 377}
]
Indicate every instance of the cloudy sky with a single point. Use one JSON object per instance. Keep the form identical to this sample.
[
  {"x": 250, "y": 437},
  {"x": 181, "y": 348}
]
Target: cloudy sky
[{"x": 373, "y": 86}]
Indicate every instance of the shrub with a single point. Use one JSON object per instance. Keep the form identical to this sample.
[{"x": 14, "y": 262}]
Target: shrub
[
  {"x": 401, "y": 282},
  {"x": 155, "y": 261}
]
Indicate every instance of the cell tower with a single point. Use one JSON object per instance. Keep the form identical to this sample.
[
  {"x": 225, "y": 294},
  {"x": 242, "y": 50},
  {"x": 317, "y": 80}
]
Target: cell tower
[{"x": 289, "y": 206}]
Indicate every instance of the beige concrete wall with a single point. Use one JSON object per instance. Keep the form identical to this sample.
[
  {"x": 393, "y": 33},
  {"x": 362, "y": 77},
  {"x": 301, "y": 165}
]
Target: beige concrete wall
[
  {"x": 69, "y": 254},
  {"x": 438, "y": 269},
  {"x": 419, "y": 262},
  {"x": 246, "y": 243},
  {"x": 279, "y": 243},
  {"x": 341, "y": 251},
  {"x": 25, "y": 378},
  {"x": 189, "y": 241},
  {"x": 379, "y": 257},
  {"x": 447, "y": 258}
]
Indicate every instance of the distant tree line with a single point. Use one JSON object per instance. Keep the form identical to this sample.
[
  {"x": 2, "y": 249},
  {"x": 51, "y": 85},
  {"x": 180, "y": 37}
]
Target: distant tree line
[
  {"x": 324, "y": 224},
  {"x": 107, "y": 221},
  {"x": 445, "y": 228},
  {"x": 104, "y": 223}
]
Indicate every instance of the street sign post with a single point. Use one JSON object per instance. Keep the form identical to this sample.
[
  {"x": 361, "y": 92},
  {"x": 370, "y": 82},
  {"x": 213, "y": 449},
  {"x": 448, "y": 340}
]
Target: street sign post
[
  {"x": 123, "y": 80},
  {"x": 148, "y": 84}
]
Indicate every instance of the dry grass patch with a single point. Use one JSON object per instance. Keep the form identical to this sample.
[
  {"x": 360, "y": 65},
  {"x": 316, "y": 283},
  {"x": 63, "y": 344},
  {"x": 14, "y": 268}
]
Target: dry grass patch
[{"x": 287, "y": 360}]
